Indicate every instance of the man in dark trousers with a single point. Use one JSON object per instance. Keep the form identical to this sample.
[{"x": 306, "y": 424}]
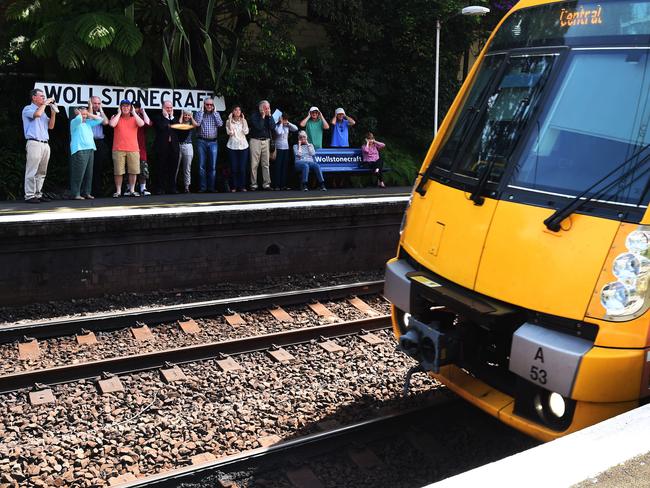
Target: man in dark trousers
[{"x": 166, "y": 148}]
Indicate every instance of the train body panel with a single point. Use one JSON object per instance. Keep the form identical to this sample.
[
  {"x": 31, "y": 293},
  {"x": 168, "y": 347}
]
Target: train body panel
[{"x": 457, "y": 232}]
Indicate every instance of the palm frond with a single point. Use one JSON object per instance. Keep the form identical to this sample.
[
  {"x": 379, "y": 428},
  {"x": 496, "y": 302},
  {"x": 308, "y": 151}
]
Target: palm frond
[
  {"x": 22, "y": 10},
  {"x": 44, "y": 42},
  {"x": 167, "y": 65},
  {"x": 129, "y": 39},
  {"x": 96, "y": 29},
  {"x": 110, "y": 65},
  {"x": 72, "y": 52}
]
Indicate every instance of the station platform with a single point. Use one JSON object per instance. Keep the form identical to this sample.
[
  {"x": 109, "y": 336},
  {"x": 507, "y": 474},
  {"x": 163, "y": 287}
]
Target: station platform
[
  {"x": 14, "y": 211},
  {"x": 77, "y": 249},
  {"x": 614, "y": 453}
]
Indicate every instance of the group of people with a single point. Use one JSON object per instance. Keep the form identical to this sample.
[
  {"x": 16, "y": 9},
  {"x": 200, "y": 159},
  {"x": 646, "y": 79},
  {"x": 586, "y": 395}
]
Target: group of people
[{"x": 251, "y": 143}]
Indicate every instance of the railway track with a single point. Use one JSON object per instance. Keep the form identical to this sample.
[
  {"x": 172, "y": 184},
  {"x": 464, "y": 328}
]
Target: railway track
[
  {"x": 292, "y": 456},
  {"x": 113, "y": 321},
  {"x": 168, "y": 359},
  {"x": 230, "y": 402}
]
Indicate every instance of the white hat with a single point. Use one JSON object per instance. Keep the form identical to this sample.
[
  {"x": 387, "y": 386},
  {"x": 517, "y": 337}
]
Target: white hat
[
  {"x": 339, "y": 111},
  {"x": 314, "y": 109}
]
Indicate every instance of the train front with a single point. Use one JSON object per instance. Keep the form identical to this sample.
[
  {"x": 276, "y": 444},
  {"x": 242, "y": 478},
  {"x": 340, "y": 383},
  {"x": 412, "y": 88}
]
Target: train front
[{"x": 521, "y": 280}]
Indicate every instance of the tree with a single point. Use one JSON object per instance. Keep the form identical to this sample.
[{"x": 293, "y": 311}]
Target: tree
[{"x": 137, "y": 41}]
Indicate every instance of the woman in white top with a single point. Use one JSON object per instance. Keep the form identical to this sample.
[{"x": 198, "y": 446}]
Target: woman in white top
[
  {"x": 280, "y": 166},
  {"x": 237, "y": 128}
]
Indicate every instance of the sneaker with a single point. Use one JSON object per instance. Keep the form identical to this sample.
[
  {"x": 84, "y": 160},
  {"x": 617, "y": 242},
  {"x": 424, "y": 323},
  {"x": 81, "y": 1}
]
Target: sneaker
[
  {"x": 303, "y": 187},
  {"x": 145, "y": 193},
  {"x": 33, "y": 200},
  {"x": 131, "y": 194},
  {"x": 78, "y": 197},
  {"x": 43, "y": 198},
  {"x": 381, "y": 184},
  {"x": 117, "y": 195},
  {"x": 88, "y": 197},
  {"x": 186, "y": 190},
  {"x": 322, "y": 187}
]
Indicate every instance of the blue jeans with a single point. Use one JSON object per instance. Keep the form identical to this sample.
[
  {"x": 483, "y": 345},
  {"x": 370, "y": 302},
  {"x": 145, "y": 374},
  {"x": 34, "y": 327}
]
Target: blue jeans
[
  {"x": 304, "y": 168},
  {"x": 207, "y": 173},
  {"x": 280, "y": 168},
  {"x": 238, "y": 160}
]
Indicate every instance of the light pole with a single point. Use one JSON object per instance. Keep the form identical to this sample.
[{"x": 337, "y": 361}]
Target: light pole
[{"x": 472, "y": 10}]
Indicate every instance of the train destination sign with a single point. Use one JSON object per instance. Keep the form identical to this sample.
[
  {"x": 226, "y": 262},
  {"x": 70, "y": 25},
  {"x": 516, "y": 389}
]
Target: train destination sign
[
  {"x": 71, "y": 95},
  {"x": 575, "y": 23},
  {"x": 581, "y": 16}
]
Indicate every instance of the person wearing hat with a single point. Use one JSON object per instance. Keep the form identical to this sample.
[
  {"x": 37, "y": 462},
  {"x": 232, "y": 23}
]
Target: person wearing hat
[
  {"x": 314, "y": 124},
  {"x": 126, "y": 152},
  {"x": 82, "y": 152},
  {"x": 341, "y": 122}
]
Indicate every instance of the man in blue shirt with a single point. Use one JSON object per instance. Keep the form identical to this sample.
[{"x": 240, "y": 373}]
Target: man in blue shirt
[
  {"x": 209, "y": 121},
  {"x": 36, "y": 125}
]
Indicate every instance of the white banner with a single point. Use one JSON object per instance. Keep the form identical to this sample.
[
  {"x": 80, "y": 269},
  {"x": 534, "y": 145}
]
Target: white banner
[{"x": 68, "y": 95}]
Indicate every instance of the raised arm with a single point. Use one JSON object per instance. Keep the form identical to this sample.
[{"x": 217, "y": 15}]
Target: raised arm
[
  {"x": 145, "y": 117},
  {"x": 351, "y": 121},
  {"x": 303, "y": 122},
  {"x": 115, "y": 119},
  {"x": 325, "y": 124},
  {"x": 52, "y": 120},
  {"x": 138, "y": 120}
]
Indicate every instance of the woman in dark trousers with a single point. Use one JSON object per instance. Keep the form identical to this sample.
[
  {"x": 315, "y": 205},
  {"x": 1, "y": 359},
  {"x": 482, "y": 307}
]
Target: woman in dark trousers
[{"x": 372, "y": 158}]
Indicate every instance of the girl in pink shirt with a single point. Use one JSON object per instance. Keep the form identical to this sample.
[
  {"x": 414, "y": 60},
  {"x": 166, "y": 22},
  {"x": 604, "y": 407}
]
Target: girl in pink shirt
[{"x": 372, "y": 158}]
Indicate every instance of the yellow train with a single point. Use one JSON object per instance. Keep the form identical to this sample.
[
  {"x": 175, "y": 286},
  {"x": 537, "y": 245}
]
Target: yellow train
[{"x": 521, "y": 278}]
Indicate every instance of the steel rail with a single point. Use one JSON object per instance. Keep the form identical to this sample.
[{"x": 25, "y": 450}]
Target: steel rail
[
  {"x": 200, "y": 352},
  {"x": 300, "y": 448},
  {"x": 118, "y": 320}
]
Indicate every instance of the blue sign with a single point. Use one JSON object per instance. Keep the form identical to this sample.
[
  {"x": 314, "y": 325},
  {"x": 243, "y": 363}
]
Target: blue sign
[{"x": 339, "y": 159}]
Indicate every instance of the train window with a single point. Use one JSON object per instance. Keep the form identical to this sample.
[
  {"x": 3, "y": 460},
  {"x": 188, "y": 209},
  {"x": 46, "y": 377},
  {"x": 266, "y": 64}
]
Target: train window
[
  {"x": 471, "y": 108},
  {"x": 597, "y": 118},
  {"x": 504, "y": 116}
]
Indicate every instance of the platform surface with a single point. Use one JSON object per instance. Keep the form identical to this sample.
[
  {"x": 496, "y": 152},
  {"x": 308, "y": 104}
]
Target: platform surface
[
  {"x": 613, "y": 453},
  {"x": 16, "y": 211}
]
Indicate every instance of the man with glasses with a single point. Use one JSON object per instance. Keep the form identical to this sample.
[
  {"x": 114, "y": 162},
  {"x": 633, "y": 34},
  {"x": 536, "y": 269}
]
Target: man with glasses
[
  {"x": 208, "y": 121},
  {"x": 36, "y": 125}
]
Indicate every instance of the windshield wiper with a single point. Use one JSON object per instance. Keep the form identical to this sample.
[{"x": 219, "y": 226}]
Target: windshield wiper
[{"x": 553, "y": 222}]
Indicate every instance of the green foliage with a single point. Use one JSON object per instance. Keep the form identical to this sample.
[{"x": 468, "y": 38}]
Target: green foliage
[{"x": 403, "y": 162}]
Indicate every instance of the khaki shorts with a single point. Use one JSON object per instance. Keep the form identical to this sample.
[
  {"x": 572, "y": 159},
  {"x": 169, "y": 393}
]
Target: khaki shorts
[{"x": 126, "y": 161}]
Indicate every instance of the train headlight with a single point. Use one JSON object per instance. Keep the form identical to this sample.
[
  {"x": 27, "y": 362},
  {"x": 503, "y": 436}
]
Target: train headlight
[
  {"x": 405, "y": 319},
  {"x": 556, "y": 404},
  {"x": 638, "y": 242},
  {"x": 626, "y": 297}
]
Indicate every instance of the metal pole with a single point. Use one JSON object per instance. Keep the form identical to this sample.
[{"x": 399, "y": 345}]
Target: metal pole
[{"x": 435, "y": 109}]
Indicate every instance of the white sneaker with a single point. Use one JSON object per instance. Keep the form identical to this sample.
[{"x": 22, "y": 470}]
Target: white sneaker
[{"x": 145, "y": 193}]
